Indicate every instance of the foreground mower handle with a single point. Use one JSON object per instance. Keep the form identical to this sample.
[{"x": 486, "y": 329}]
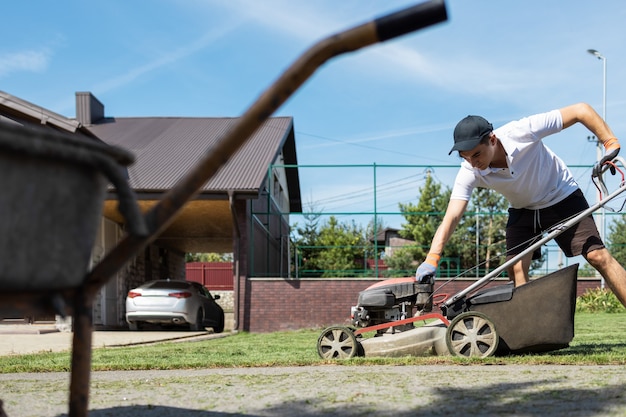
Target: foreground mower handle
[
  {"x": 411, "y": 19},
  {"x": 162, "y": 214}
]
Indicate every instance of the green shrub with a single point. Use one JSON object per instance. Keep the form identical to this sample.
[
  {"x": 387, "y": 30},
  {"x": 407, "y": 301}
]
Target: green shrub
[{"x": 599, "y": 300}]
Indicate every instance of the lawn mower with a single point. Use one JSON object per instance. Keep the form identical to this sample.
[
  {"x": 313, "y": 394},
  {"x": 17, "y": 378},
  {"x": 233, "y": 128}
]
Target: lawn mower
[{"x": 476, "y": 322}]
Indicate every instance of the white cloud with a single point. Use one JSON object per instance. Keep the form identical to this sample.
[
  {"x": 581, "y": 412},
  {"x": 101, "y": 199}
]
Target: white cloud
[
  {"x": 185, "y": 50},
  {"x": 451, "y": 71},
  {"x": 300, "y": 20},
  {"x": 30, "y": 61}
]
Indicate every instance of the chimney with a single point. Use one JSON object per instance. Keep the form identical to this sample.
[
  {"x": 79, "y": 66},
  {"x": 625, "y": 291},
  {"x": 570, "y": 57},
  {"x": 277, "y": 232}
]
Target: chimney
[{"x": 88, "y": 108}]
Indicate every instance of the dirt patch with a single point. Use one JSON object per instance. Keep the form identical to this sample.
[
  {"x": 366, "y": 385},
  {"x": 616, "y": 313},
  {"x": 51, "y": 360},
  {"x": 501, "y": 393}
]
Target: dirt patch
[{"x": 335, "y": 390}]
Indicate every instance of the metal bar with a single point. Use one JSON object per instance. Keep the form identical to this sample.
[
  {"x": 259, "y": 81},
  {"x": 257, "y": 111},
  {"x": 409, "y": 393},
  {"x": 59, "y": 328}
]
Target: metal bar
[
  {"x": 385, "y": 166},
  {"x": 81, "y": 357},
  {"x": 162, "y": 215},
  {"x": 401, "y": 322},
  {"x": 375, "y": 229}
]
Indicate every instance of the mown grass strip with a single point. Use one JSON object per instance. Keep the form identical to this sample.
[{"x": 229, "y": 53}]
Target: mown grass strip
[{"x": 599, "y": 340}]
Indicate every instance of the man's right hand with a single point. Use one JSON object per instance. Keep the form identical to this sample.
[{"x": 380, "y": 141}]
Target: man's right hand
[
  {"x": 612, "y": 148},
  {"x": 428, "y": 268}
]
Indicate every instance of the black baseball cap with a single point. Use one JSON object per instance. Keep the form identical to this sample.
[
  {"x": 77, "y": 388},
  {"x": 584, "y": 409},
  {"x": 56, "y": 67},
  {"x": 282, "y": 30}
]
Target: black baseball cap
[{"x": 468, "y": 133}]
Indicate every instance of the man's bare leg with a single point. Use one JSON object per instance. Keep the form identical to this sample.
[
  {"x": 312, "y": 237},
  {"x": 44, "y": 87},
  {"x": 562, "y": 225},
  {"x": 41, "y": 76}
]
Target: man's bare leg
[
  {"x": 518, "y": 272},
  {"x": 613, "y": 273}
]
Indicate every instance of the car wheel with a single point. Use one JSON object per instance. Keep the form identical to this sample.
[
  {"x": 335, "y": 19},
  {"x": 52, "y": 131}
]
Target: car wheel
[
  {"x": 134, "y": 326},
  {"x": 199, "y": 324},
  {"x": 219, "y": 328}
]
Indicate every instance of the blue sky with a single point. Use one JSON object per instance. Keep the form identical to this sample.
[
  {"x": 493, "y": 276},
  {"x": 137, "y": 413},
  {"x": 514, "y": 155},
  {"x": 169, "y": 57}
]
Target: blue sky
[{"x": 393, "y": 103}]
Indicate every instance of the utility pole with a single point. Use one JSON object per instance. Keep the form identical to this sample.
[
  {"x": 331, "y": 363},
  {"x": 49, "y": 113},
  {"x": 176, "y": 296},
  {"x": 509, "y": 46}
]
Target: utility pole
[{"x": 599, "y": 145}]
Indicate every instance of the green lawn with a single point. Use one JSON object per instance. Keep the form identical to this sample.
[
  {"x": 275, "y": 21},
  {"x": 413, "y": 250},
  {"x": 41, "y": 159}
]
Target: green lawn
[{"x": 600, "y": 340}]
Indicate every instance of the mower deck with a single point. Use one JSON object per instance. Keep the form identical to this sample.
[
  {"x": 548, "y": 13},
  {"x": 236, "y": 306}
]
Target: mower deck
[{"x": 536, "y": 317}]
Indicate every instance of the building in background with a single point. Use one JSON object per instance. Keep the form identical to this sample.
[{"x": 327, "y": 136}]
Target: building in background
[{"x": 223, "y": 217}]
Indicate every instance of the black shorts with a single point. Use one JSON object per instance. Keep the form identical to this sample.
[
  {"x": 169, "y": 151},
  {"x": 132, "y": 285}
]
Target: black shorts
[{"x": 525, "y": 227}]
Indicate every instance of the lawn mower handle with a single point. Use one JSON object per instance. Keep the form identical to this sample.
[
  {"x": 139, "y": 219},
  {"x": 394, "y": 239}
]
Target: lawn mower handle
[
  {"x": 160, "y": 216},
  {"x": 410, "y": 19},
  {"x": 597, "y": 179}
]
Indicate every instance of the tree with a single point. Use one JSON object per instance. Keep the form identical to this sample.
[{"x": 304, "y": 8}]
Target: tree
[
  {"x": 375, "y": 227},
  {"x": 424, "y": 218},
  {"x": 331, "y": 249},
  {"x": 617, "y": 239},
  {"x": 487, "y": 226},
  {"x": 340, "y": 244},
  {"x": 208, "y": 257},
  {"x": 586, "y": 270},
  {"x": 480, "y": 239},
  {"x": 304, "y": 245}
]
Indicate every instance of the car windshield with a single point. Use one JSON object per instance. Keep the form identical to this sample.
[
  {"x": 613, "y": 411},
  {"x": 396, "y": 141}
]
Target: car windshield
[{"x": 176, "y": 285}]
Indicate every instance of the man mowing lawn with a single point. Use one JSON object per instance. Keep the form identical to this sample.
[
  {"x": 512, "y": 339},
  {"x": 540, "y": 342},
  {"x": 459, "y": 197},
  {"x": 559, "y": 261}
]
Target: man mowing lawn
[{"x": 540, "y": 188}]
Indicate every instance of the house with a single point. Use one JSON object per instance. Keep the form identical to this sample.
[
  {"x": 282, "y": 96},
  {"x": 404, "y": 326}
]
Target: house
[
  {"x": 245, "y": 203},
  {"x": 388, "y": 240}
]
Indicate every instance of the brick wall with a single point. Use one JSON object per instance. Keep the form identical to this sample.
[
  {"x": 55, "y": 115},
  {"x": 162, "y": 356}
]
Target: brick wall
[
  {"x": 585, "y": 284},
  {"x": 280, "y": 304}
]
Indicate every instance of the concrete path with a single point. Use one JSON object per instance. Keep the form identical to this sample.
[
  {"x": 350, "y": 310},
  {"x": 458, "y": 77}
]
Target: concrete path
[{"x": 19, "y": 339}]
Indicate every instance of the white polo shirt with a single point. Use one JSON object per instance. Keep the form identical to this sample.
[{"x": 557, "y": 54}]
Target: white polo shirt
[{"x": 535, "y": 178}]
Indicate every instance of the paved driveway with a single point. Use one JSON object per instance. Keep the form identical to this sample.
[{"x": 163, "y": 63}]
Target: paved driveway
[{"x": 24, "y": 338}]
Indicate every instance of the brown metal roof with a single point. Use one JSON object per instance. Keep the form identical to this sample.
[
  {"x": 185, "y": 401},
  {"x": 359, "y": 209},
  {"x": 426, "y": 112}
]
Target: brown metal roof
[
  {"x": 166, "y": 147},
  {"x": 23, "y": 109}
]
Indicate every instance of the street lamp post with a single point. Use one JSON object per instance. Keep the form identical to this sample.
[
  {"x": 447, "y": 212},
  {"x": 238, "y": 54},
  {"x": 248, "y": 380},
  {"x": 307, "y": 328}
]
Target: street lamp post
[
  {"x": 599, "y": 145},
  {"x": 603, "y": 58}
]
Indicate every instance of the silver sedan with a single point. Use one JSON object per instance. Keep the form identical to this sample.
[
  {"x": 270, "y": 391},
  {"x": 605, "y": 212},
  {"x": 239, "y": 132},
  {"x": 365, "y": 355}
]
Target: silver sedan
[{"x": 173, "y": 302}]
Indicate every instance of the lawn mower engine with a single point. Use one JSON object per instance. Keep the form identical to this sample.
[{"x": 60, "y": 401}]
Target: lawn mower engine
[{"x": 393, "y": 300}]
